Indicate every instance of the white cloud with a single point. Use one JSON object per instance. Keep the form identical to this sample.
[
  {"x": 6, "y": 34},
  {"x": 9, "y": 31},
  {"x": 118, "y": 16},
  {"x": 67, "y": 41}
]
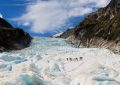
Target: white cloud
[
  {"x": 51, "y": 15},
  {"x": 1, "y": 16}
]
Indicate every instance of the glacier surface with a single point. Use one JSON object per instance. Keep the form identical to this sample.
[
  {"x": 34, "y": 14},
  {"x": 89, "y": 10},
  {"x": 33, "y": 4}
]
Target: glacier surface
[{"x": 50, "y": 61}]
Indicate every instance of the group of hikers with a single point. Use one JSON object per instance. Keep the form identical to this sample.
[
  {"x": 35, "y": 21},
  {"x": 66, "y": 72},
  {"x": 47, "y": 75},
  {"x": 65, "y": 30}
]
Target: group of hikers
[{"x": 75, "y": 59}]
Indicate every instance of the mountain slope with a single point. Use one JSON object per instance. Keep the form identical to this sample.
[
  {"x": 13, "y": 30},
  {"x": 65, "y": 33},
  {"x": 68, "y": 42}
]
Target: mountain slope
[
  {"x": 4, "y": 23},
  {"x": 12, "y": 38},
  {"x": 99, "y": 29}
]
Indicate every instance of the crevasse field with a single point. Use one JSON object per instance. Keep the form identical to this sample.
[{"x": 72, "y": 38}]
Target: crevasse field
[{"x": 48, "y": 62}]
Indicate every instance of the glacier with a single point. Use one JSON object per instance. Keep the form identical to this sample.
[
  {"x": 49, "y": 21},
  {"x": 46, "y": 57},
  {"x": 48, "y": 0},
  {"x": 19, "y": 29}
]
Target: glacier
[{"x": 51, "y": 61}]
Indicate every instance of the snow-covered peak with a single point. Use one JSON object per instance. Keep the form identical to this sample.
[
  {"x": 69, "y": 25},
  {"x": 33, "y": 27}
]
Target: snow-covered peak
[{"x": 58, "y": 34}]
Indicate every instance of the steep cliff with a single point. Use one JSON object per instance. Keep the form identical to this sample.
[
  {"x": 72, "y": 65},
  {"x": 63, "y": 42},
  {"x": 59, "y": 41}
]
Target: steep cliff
[
  {"x": 12, "y": 38},
  {"x": 99, "y": 29},
  {"x": 4, "y": 23}
]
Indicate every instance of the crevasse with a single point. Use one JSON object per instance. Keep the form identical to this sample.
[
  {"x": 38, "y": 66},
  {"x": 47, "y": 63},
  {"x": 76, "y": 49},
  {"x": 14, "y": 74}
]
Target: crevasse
[{"x": 50, "y": 61}]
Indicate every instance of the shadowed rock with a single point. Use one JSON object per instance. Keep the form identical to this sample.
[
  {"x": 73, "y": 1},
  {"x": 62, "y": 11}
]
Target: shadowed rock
[
  {"x": 4, "y": 23},
  {"x": 12, "y": 38}
]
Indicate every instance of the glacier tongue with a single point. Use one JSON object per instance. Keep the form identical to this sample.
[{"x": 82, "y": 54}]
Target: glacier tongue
[{"x": 50, "y": 61}]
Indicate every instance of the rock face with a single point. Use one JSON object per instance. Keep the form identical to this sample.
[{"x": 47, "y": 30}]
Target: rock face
[
  {"x": 4, "y": 23},
  {"x": 12, "y": 38},
  {"x": 66, "y": 34},
  {"x": 99, "y": 29}
]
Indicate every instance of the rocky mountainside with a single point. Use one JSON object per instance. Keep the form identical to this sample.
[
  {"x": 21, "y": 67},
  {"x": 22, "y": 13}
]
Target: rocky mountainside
[
  {"x": 12, "y": 38},
  {"x": 99, "y": 29},
  {"x": 4, "y": 23}
]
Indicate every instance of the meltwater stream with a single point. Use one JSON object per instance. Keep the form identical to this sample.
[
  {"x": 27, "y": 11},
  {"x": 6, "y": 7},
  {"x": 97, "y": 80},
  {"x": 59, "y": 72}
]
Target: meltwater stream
[{"x": 50, "y": 61}]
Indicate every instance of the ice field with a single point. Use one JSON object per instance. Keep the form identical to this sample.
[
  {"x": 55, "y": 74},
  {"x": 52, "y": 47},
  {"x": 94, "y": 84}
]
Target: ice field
[{"x": 50, "y": 61}]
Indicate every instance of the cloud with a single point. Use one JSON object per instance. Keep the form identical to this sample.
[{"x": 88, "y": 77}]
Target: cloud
[
  {"x": 1, "y": 16},
  {"x": 51, "y": 15}
]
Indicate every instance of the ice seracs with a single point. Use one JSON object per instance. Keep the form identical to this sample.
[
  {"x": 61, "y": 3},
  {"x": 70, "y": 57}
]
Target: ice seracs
[{"x": 51, "y": 61}]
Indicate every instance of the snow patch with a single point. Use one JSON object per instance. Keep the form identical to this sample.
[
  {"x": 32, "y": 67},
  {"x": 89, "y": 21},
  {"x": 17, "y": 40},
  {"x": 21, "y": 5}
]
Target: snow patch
[{"x": 57, "y": 35}]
